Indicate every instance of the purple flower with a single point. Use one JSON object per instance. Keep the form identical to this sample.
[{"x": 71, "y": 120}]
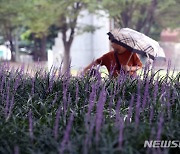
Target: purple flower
[
  {"x": 168, "y": 103},
  {"x": 173, "y": 95},
  {"x": 99, "y": 112},
  {"x": 7, "y": 99},
  {"x": 51, "y": 83},
  {"x": 64, "y": 97},
  {"x": 91, "y": 104},
  {"x": 60, "y": 70},
  {"x": 55, "y": 99},
  {"x": 66, "y": 134},
  {"x": 155, "y": 91},
  {"x": 121, "y": 128},
  {"x": 87, "y": 142},
  {"x": 2, "y": 83},
  {"x": 150, "y": 139},
  {"x": 151, "y": 115},
  {"x": 11, "y": 107},
  {"x": 57, "y": 122},
  {"x": 30, "y": 124},
  {"x": 110, "y": 105},
  {"x": 146, "y": 92},
  {"x": 77, "y": 93},
  {"x": 22, "y": 69},
  {"x": 130, "y": 109},
  {"x": 138, "y": 105},
  {"x": 69, "y": 100},
  {"x": 33, "y": 85},
  {"x": 160, "y": 123},
  {"x": 16, "y": 84},
  {"x": 117, "y": 113},
  {"x": 16, "y": 149}
]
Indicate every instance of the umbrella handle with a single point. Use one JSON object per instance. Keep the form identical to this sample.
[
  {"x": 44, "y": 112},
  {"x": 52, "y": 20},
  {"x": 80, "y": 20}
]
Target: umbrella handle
[
  {"x": 147, "y": 55},
  {"x": 129, "y": 58}
]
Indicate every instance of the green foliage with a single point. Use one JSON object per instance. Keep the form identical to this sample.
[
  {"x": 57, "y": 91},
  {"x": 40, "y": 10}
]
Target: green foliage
[
  {"x": 147, "y": 16},
  {"x": 38, "y": 16},
  {"x": 47, "y": 93},
  {"x": 168, "y": 14}
]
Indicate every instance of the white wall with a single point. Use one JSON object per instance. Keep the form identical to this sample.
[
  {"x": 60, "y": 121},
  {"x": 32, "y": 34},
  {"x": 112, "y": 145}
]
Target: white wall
[
  {"x": 172, "y": 52},
  {"x": 85, "y": 47}
]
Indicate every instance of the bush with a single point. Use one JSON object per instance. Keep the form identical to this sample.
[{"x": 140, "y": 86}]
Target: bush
[{"x": 54, "y": 113}]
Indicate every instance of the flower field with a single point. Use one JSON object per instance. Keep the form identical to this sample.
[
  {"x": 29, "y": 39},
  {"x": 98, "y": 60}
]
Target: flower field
[{"x": 51, "y": 113}]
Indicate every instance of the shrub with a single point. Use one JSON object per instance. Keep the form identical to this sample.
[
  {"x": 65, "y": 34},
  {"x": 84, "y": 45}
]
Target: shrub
[{"x": 50, "y": 113}]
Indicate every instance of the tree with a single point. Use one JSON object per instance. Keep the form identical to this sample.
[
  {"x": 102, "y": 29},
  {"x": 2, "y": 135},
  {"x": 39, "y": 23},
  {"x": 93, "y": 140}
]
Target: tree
[
  {"x": 41, "y": 16},
  {"x": 9, "y": 21},
  {"x": 169, "y": 15},
  {"x": 67, "y": 22},
  {"x": 141, "y": 15},
  {"x": 37, "y": 17}
]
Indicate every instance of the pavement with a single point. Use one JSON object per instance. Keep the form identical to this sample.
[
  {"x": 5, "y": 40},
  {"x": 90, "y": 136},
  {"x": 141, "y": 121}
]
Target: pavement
[{"x": 29, "y": 68}]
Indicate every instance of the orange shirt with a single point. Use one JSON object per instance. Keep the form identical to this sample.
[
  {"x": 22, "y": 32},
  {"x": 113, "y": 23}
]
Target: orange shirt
[{"x": 109, "y": 61}]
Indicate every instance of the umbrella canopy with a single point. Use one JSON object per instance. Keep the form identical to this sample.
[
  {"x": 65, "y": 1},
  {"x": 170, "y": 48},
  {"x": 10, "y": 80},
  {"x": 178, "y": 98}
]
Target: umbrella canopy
[{"x": 137, "y": 42}]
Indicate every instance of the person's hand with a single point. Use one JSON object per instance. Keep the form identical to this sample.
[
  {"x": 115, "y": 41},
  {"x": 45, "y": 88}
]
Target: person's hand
[{"x": 126, "y": 68}]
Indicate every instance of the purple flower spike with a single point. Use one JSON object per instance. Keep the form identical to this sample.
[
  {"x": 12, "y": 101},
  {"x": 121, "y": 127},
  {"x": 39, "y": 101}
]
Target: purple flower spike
[
  {"x": 33, "y": 85},
  {"x": 16, "y": 150},
  {"x": 121, "y": 125},
  {"x": 168, "y": 103},
  {"x": 66, "y": 134},
  {"x": 51, "y": 83},
  {"x": 99, "y": 112},
  {"x": 151, "y": 115},
  {"x": 2, "y": 83},
  {"x": 91, "y": 104},
  {"x": 77, "y": 93},
  {"x": 69, "y": 100},
  {"x": 160, "y": 123},
  {"x": 11, "y": 107},
  {"x": 155, "y": 91},
  {"x": 64, "y": 97},
  {"x": 145, "y": 97},
  {"x": 16, "y": 84},
  {"x": 22, "y": 69},
  {"x": 57, "y": 123},
  {"x": 110, "y": 105},
  {"x": 130, "y": 109},
  {"x": 138, "y": 105},
  {"x": 87, "y": 142},
  {"x": 117, "y": 113},
  {"x": 30, "y": 124},
  {"x": 7, "y": 100},
  {"x": 55, "y": 99}
]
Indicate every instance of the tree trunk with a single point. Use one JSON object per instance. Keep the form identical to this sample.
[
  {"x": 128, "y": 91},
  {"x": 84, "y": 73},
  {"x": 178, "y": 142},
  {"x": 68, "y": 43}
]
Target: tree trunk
[
  {"x": 67, "y": 41},
  {"x": 43, "y": 48},
  {"x": 66, "y": 60},
  {"x": 39, "y": 53},
  {"x": 36, "y": 50},
  {"x": 9, "y": 38},
  {"x": 13, "y": 54}
]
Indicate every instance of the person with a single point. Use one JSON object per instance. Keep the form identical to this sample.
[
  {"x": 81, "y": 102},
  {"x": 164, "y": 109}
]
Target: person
[{"x": 118, "y": 59}]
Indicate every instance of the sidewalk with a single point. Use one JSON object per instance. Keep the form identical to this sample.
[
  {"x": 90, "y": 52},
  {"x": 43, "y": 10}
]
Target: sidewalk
[{"x": 29, "y": 68}]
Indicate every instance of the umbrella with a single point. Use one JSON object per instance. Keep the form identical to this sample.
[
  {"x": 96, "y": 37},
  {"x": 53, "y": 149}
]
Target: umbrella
[{"x": 137, "y": 42}]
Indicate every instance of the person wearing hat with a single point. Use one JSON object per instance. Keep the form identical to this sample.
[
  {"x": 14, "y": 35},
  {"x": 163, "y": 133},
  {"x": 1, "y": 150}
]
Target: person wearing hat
[{"x": 120, "y": 58}]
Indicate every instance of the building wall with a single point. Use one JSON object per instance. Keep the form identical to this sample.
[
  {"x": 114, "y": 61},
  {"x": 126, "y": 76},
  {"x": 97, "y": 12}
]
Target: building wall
[
  {"x": 170, "y": 42},
  {"x": 86, "y": 46},
  {"x": 172, "y": 52},
  {"x": 170, "y": 35}
]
